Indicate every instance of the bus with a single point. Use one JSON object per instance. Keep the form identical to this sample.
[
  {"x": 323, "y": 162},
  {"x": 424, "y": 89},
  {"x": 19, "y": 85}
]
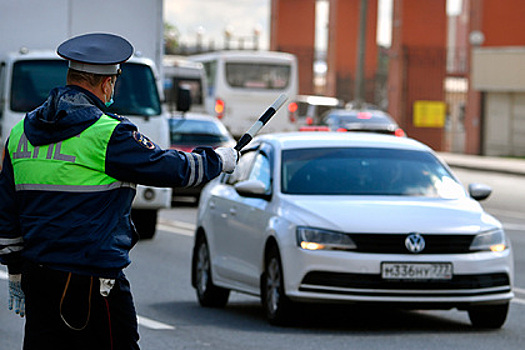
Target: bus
[{"x": 243, "y": 84}]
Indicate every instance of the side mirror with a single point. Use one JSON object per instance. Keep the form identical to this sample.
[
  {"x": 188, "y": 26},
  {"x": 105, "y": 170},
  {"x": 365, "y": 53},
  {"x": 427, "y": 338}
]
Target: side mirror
[
  {"x": 251, "y": 188},
  {"x": 479, "y": 191},
  {"x": 183, "y": 99}
]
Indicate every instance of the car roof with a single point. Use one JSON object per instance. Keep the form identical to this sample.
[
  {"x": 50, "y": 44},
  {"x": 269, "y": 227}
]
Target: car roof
[
  {"x": 297, "y": 140},
  {"x": 354, "y": 112},
  {"x": 318, "y": 100}
]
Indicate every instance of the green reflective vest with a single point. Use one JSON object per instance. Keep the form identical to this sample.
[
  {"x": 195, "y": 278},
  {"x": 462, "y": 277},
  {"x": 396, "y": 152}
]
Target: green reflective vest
[{"x": 76, "y": 164}]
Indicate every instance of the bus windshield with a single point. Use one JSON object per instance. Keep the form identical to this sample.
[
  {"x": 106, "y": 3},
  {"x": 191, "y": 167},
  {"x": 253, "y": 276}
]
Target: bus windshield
[
  {"x": 258, "y": 76},
  {"x": 135, "y": 91}
]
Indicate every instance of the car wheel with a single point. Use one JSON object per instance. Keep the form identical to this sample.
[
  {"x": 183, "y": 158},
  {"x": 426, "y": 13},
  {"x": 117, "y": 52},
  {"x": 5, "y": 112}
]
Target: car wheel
[
  {"x": 145, "y": 222},
  {"x": 208, "y": 294},
  {"x": 488, "y": 316},
  {"x": 276, "y": 304}
]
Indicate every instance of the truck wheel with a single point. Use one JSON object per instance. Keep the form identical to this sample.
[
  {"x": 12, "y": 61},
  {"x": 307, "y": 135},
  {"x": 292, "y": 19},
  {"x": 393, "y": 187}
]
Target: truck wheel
[
  {"x": 145, "y": 221},
  {"x": 488, "y": 316}
]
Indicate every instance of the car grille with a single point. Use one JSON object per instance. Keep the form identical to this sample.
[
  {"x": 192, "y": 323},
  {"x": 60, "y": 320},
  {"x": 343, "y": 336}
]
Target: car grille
[
  {"x": 375, "y": 282},
  {"x": 395, "y": 243}
]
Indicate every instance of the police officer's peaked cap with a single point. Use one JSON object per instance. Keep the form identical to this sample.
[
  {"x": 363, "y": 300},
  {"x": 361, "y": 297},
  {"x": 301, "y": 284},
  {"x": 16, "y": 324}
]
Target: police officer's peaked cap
[{"x": 98, "y": 53}]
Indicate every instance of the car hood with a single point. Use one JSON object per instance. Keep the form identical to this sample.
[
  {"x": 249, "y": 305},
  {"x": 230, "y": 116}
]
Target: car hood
[{"x": 390, "y": 215}]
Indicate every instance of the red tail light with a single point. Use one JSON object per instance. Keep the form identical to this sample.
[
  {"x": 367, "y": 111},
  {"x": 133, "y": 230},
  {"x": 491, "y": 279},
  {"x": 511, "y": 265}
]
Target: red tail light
[
  {"x": 364, "y": 115},
  {"x": 400, "y": 132},
  {"x": 292, "y": 110},
  {"x": 314, "y": 128},
  {"x": 219, "y": 108}
]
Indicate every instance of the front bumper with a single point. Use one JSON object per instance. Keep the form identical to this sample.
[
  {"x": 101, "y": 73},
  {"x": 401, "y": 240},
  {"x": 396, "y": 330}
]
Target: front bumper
[{"x": 478, "y": 278}]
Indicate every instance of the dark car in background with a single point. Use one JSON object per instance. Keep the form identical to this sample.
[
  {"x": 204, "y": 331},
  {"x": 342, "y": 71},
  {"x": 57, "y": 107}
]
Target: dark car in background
[
  {"x": 308, "y": 110},
  {"x": 190, "y": 130},
  {"x": 368, "y": 120}
]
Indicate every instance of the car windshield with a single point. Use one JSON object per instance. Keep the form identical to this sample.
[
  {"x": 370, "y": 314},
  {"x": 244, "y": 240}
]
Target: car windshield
[
  {"x": 192, "y": 132},
  {"x": 135, "y": 91},
  {"x": 366, "y": 171}
]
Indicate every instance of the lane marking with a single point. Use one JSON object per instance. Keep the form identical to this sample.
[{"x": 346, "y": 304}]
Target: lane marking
[
  {"x": 152, "y": 324},
  {"x": 180, "y": 224},
  {"x": 176, "y": 230},
  {"x": 519, "y": 290},
  {"x": 518, "y": 301}
]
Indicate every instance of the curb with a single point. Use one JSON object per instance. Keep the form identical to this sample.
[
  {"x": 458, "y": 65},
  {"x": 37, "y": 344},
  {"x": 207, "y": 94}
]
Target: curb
[{"x": 481, "y": 163}]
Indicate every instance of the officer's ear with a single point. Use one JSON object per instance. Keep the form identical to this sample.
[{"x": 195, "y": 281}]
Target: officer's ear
[{"x": 107, "y": 84}]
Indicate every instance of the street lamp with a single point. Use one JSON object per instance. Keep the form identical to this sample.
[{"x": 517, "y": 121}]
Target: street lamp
[
  {"x": 228, "y": 33},
  {"x": 256, "y": 36},
  {"x": 200, "y": 34}
]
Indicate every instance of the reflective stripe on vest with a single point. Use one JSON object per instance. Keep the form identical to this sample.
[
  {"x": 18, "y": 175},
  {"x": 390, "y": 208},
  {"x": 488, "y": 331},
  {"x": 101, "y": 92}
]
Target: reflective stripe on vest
[{"x": 73, "y": 165}]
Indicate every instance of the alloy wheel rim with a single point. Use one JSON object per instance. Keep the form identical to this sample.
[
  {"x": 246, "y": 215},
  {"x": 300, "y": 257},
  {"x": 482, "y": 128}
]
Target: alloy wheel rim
[
  {"x": 203, "y": 265},
  {"x": 273, "y": 284}
]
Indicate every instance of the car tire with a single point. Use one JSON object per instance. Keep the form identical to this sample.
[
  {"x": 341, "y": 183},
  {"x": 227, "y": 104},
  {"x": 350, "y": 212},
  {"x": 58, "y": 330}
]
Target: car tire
[
  {"x": 277, "y": 306},
  {"x": 145, "y": 221},
  {"x": 208, "y": 294},
  {"x": 488, "y": 316}
]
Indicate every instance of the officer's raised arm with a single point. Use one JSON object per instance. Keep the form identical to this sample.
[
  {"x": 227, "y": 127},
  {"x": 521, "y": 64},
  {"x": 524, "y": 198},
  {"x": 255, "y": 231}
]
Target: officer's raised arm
[
  {"x": 133, "y": 157},
  {"x": 66, "y": 190}
]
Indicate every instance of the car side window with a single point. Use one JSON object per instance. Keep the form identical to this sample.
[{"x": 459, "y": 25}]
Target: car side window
[{"x": 261, "y": 170}]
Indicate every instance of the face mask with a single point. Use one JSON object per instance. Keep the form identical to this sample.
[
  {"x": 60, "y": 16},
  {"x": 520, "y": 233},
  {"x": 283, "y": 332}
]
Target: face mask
[{"x": 110, "y": 102}]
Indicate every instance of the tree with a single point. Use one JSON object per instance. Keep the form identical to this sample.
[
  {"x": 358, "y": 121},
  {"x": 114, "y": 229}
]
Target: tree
[{"x": 171, "y": 38}]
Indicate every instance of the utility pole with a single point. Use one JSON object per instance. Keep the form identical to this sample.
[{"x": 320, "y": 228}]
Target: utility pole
[{"x": 358, "y": 89}]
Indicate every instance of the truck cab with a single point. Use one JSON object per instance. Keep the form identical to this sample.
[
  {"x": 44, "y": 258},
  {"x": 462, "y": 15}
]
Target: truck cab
[
  {"x": 27, "y": 77},
  {"x": 181, "y": 73}
]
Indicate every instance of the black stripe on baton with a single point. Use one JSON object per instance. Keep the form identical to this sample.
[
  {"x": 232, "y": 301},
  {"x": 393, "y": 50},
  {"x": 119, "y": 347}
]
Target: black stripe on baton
[{"x": 263, "y": 119}]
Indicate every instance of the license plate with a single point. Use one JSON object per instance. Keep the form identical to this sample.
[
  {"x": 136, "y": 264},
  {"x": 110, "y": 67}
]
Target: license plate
[{"x": 416, "y": 271}]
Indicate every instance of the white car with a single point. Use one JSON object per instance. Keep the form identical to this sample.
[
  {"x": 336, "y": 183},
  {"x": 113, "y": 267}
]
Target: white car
[{"x": 350, "y": 218}]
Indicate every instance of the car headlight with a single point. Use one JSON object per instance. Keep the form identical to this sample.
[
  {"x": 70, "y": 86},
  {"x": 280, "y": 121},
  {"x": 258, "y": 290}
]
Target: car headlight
[
  {"x": 493, "y": 241},
  {"x": 316, "y": 239}
]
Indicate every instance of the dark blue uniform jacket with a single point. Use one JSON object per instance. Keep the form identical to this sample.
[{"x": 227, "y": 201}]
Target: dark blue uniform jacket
[{"x": 87, "y": 233}]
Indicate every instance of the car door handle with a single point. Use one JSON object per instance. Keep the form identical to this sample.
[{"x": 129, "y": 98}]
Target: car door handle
[
  {"x": 212, "y": 205},
  {"x": 233, "y": 211}
]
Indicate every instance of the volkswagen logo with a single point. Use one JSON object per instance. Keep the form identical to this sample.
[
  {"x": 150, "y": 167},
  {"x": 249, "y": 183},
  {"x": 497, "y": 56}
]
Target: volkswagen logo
[{"x": 415, "y": 243}]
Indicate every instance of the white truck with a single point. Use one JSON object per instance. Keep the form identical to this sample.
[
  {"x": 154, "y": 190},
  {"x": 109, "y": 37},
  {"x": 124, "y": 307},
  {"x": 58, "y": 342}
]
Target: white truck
[
  {"x": 180, "y": 72},
  {"x": 29, "y": 69}
]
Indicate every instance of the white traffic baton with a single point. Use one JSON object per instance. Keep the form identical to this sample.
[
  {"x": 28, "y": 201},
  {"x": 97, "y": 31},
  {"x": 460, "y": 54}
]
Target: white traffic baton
[{"x": 263, "y": 119}]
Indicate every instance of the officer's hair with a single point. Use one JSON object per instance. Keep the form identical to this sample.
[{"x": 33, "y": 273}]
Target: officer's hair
[{"x": 93, "y": 80}]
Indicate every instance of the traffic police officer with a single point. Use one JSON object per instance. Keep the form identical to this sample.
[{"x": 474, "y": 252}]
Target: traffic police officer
[{"x": 66, "y": 188}]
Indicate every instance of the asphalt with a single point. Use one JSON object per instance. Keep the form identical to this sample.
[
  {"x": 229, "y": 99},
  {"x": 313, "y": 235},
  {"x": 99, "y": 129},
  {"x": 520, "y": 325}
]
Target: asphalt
[{"x": 484, "y": 163}]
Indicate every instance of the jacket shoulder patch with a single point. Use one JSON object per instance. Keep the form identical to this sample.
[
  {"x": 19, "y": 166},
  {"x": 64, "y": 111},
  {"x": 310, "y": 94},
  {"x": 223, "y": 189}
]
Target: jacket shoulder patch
[{"x": 143, "y": 140}]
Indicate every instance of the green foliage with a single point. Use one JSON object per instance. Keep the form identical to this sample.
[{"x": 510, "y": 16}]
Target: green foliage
[{"x": 171, "y": 38}]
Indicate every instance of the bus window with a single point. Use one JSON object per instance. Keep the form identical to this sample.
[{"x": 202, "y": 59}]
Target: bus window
[{"x": 260, "y": 76}]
